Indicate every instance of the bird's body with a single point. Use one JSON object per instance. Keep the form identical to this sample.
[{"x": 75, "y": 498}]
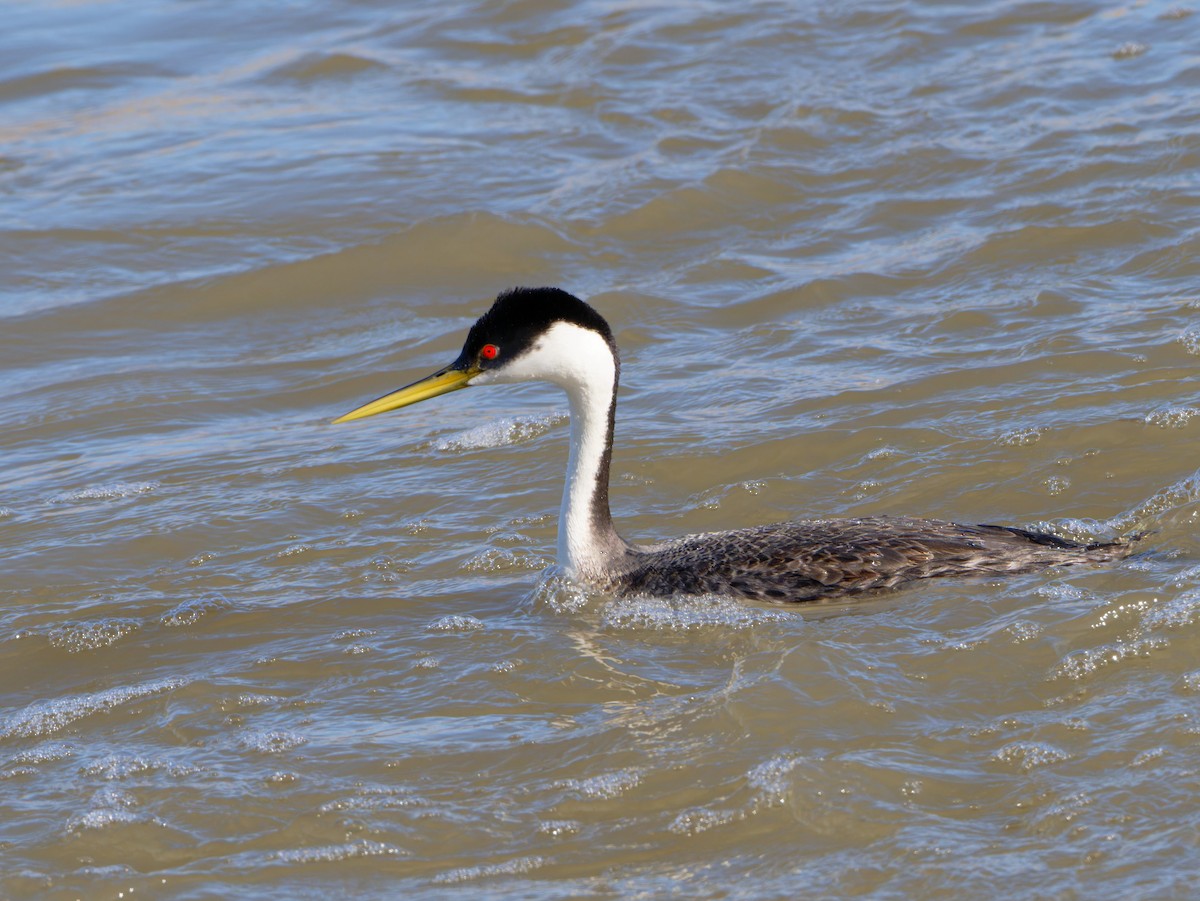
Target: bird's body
[
  {"x": 547, "y": 334},
  {"x": 811, "y": 560}
]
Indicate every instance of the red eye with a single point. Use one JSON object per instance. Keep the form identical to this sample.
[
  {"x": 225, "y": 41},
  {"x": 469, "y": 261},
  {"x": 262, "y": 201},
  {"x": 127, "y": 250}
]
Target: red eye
[{"x": 489, "y": 352}]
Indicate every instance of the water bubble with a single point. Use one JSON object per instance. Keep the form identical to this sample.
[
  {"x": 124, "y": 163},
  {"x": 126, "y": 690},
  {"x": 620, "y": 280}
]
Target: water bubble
[
  {"x": 44, "y": 717},
  {"x": 1056, "y": 484},
  {"x": 1028, "y": 755},
  {"x": 455, "y": 623},
  {"x": 558, "y": 828},
  {"x": 293, "y": 550},
  {"x": 90, "y": 636},
  {"x": 330, "y": 853},
  {"x": 99, "y": 818},
  {"x": 251, "y": 699},
  {"x": 104, "y": 492},
  {"x": 351, "y": 634},
  {"x": 274, "y": 742},
  {"x": 502, "y": 433},
  {"x": 1020, "y": 437},
  {"x": 377, "y": 797},
  {"x": 504, "y": 560},
  {"x": 1147, "y": 756},
  {"x": 483, "y": 871},
  {"x": 1179, "y": 611},
  {"x": 863, "y": 489},
  {"x": 118, "y": 766},
  {"x": 1023, "y": 631},
  {"x": 53, "y": 750},
  {"x": 1129, "y": 50},
  {"x": 701, "y": 819},
  {"x": 1174, "y": 417},
  {"x": 1119, "y": 612},
  {"x": 605, "y": 786},
  {"x": 683, "y": 614},
  {"x": 561, "y": 594},
  {"x": 188, "y": 612},
  {"x": 771, "y": 777},
  {"x": 1083, "y": 663}
]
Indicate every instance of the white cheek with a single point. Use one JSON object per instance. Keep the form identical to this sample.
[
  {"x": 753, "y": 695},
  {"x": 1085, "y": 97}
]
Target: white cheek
[
  {"x": 518, "y": 370},
  {"x": 566, "y": 355}
]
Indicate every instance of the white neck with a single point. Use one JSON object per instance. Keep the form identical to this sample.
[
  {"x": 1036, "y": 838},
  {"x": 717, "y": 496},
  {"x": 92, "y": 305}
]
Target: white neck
[
  {"x": 582, "y": 363},
  {"x": 584, "y": 522}
]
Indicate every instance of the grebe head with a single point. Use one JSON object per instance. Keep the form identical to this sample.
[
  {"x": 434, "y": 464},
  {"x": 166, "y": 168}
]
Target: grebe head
[{"x": 529, "y": 334}]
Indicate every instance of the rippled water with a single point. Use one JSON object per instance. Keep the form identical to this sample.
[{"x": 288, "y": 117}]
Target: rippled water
[{"x": 926, "y": 258}]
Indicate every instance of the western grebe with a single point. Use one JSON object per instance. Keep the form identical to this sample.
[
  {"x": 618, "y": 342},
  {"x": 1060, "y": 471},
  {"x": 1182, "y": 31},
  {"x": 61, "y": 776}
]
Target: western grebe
[{"x": 546, "y": 334}]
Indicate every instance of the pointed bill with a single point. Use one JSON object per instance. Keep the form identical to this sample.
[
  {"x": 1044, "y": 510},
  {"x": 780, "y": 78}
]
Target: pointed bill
[{"x": 441, "y": 382}]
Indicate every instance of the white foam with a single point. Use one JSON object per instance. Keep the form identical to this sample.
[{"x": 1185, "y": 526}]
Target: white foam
[
  {"x": 701, "y": 819},
  {"x": 496, "y": 559},
  {"x": 374, "y": 798},
  {"x": 769, "y": 783},
  {"x": 1177, "y": 494},
  {"x": 1029, "y": 755},
  {"x": 274, "y": 742},
  {"x": 44, "y": 717},
  {"x": 686, "y": 613},
  {"x": 330, "y": 853},
  {"x": 1148, "y": 756},
  {"x": 1083, "y": 663},
  {"x": 558, "y": 828},
  {"x": 252, "y": 699},
  {"x": 605, "y": 786},
  {"x": 502, "y": 432},
  {"x": 1182, "y": 610},
  {"x": 1174, "y": 417},
  {"x": 508, "y": 868},
  {"x": 293, "y": 550},
  {"x": 1020, "y": 437},
  {"x": 770, "y": 777},
  {"x": 104, "y": 492},
  {"x": 101, "y": 817},
  {"x": 112, "y": 806},
  {"x": 122, "y": 766},
  {"x": 188, "y": 612},
  {"x": 54, "y": 750},
  {"x": 1022, "y": 631},
  {"x": 351, "y": 634},
  {"x": 560, "y": 593},
  {"x": 1190, "y": 339},
  {"x": 455, "y": 622},
  {"x": 90, "y": 636}
]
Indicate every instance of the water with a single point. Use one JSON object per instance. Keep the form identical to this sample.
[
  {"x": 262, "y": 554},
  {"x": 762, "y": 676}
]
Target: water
[{"x": 924, "y": 258}]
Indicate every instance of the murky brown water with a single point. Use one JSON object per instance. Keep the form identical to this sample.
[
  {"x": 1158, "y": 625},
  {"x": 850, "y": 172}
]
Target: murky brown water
[{"x": 923, "y": 258}]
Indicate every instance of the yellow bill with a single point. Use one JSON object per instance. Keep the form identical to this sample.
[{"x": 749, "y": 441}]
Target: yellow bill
[{"x": 441, "y": 382}]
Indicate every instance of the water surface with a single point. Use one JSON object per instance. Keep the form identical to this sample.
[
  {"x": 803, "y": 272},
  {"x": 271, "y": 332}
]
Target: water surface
[{"x": 923, "y": 258}]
